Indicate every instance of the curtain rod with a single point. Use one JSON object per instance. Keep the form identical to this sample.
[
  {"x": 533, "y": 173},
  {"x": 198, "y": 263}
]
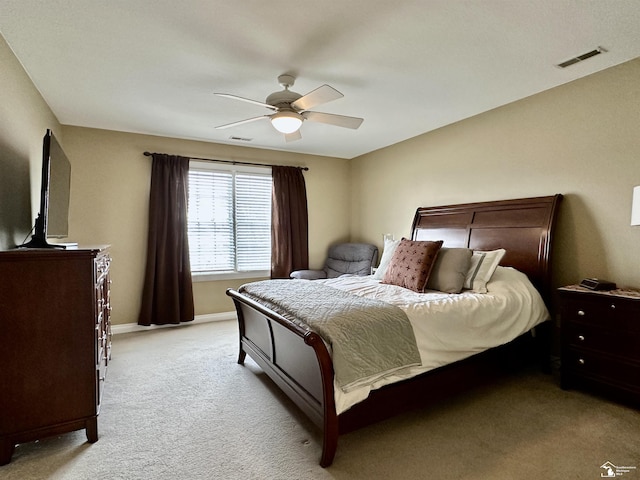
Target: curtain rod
[{"x": 232, "y": 162}]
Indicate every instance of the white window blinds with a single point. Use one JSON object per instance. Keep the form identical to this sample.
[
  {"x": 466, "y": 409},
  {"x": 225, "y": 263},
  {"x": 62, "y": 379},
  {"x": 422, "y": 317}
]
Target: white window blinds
[{"x": 229, "y": 219}]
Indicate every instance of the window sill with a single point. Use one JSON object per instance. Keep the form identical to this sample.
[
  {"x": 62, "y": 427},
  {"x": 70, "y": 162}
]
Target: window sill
[{"x": 213, "y": 277}]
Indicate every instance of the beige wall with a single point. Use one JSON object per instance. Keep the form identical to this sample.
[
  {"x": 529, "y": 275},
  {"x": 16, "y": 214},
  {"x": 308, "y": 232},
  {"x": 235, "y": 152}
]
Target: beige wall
[
  {"x": 110, "y": 194},
  {"x": 581, "y": 139},
  {"x": 24, "y": 119}
]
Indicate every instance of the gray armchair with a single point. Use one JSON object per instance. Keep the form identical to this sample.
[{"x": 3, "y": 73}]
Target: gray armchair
[{"x": 344, "y": 258}]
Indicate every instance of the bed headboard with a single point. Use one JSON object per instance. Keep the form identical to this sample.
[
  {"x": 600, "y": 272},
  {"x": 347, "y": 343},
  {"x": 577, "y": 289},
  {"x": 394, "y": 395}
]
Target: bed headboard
[{"x": 523, "y": 227}]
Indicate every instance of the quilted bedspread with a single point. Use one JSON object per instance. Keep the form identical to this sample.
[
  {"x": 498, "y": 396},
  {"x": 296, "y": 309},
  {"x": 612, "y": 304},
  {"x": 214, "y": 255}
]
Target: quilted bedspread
[{"x": 368, "y": 338}]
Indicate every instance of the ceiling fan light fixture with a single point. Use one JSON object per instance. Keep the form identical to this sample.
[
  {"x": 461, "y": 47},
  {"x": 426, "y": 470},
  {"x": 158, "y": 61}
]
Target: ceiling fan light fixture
[{"x": 286, "y": 121}]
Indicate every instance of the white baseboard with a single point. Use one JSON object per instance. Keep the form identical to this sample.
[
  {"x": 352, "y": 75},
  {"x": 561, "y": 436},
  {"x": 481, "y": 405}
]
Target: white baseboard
[{"x": 210, "y": 317}]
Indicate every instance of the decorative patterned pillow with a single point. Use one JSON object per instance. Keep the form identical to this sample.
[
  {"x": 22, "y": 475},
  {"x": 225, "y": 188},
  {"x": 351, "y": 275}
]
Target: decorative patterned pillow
[
  {"x": 411, "y": 264},
  {"x": 483, "y": 264},
  {"x": 450, "y": 270}
]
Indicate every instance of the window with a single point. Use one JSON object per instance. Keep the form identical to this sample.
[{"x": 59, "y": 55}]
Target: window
[{"x": 229, "y": 220}]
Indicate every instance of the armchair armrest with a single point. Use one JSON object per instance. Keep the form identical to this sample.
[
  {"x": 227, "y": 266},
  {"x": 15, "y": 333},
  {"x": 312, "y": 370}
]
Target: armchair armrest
[{"x": 309, "y": 274}]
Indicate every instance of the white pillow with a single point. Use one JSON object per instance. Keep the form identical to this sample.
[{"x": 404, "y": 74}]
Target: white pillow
[
  {"x": 482, "y": 266},
  {"x": 387, "y": 252}
]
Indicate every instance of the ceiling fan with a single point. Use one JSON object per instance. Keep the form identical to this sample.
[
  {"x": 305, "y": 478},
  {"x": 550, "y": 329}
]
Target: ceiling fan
[{"x": 291, "y": 109}]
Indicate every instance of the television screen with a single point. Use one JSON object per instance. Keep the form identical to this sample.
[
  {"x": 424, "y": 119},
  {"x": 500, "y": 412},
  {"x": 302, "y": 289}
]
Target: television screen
[{"x": 59, "y": 188}]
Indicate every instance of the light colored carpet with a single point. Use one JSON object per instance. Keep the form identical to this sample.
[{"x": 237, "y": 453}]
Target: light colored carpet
[{"x": 177, "y": 406}]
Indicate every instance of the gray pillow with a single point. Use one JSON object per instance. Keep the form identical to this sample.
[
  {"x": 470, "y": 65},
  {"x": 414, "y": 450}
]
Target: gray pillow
[{"x": 450, "y": 270}]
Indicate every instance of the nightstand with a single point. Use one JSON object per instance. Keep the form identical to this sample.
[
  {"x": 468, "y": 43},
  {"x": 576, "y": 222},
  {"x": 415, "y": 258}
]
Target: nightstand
[{"x": 601, "y": 341}]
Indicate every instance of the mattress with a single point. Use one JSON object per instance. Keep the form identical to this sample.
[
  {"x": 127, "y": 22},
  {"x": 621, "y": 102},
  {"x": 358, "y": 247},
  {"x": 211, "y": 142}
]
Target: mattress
[{"x": 450, "y": 327}]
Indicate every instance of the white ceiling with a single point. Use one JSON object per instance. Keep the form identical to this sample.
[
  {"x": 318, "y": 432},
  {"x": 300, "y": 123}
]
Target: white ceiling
[{"x": 406, "y": 67}]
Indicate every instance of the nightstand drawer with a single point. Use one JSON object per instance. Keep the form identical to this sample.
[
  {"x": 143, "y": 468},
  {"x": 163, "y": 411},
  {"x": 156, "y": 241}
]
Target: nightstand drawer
[
  {"x": 603, "y": 368},
  {"x": 602, "y": 339},
  {"x": 606, "y": 312}
]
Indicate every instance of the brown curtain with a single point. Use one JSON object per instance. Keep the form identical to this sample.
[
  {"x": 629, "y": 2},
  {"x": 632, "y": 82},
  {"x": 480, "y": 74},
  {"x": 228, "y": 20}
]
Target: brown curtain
[
  {"x": 167, "y": 296},
  {"x": 289, "y": 222}
]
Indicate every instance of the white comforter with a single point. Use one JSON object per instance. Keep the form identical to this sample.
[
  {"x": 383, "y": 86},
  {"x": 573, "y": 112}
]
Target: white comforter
[{"x": 451, "y": 327}]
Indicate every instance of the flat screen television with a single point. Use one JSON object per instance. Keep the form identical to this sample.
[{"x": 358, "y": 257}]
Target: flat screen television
[{"x": 53, "y": 218}]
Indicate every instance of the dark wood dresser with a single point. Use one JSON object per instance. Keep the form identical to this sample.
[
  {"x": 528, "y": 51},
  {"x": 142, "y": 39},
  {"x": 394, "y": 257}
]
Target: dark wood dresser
[
  {"x": 55, "y": 342},
  {"x": 601, "y": 341}
]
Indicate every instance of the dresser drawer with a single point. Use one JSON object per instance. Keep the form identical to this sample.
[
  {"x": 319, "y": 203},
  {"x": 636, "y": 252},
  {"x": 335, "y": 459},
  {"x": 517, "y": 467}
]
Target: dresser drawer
[
  {"x": 101, "y": 373},
  {"x": 602, "y": 339},
  {"x": 602, "y": 368},
  {"x": 102, "y": 263}
]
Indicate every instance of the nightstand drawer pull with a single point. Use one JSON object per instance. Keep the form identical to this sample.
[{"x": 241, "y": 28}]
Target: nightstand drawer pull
[
  {"x": 581, "y": 361},
  {"x": 581, "y": 338},
  {"x": 581, "y": 313},
  {"x": 613, "y": 306}
]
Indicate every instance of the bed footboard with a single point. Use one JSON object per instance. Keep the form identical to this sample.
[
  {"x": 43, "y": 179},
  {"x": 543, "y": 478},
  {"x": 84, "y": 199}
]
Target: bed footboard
[{"x": 296, "y": 359}]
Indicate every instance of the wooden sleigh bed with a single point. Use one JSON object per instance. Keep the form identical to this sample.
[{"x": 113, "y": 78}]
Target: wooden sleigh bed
[{"x": 298, "y": 361}]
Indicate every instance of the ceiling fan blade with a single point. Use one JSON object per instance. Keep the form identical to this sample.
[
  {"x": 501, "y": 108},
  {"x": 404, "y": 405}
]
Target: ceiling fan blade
[
  {"x": 320, "y": 95},
  {"x": 332, "y": 119},
  {"x": 248, "y": 100},
  {"x": 248, "y": 120},
  {"x": 292, "y": 137}
]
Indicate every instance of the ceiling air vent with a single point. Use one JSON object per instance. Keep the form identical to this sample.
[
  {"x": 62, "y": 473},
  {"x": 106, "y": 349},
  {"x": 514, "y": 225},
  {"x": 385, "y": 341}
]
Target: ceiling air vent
[
  {"x": 582, "y": 57},
  {"x": 240, "y": 139}
]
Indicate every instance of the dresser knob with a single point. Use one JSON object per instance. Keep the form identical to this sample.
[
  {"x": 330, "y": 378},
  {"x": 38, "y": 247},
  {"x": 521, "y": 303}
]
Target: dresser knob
[
  {"x": 581, "y": 338},
  {"x": 581, "y": 313},
  {"x": 581, "y": 361},
  {"x": 613, "y": 307}
]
